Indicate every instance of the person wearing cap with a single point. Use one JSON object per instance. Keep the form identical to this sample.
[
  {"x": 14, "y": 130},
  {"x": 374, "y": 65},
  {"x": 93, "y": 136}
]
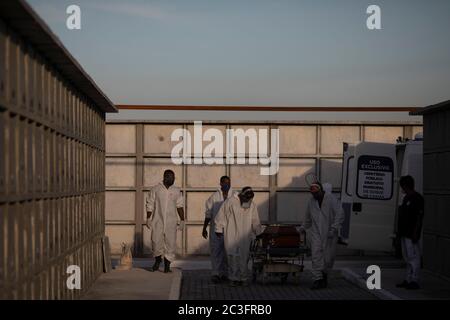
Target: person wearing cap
[
  {"x": 323, "y": 219},
  {"x": 238, "y": 222}
]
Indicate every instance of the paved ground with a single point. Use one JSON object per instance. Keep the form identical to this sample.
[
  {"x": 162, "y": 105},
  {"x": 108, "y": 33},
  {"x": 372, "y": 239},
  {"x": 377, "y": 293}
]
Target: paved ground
[
  {"x": 196, "y": 285},
  {"x": 432, "y": 287},
  {"x": 346, "y": 283},
  {"x": 136, "y": 284}
]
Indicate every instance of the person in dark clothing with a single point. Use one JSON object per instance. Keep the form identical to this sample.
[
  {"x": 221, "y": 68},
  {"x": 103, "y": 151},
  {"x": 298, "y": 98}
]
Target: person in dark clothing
[{"x": 409, "y": 230}]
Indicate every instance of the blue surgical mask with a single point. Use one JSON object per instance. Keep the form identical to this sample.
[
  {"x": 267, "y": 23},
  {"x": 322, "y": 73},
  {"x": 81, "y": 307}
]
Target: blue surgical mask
[{"x": 225, "y": 187}]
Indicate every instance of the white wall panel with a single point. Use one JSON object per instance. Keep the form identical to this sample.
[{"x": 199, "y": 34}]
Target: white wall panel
[
  {"x": 157, "y": 138},
  {"x": 120, "y": 138},
  {"x": 292, "y": 172},
  {"x": 120, "y": 205},
  {"x": 298, "y": 140},
  {"x": 332, "y": 137},
  {"x": 291, "y": 206},
  {"x": 382, "y": 134},
  {"x": 120, "y": 172}
]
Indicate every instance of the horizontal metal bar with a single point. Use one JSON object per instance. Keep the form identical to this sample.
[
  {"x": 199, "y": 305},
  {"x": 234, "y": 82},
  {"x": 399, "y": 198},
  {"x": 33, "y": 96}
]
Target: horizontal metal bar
[
  {"x": 266, "y": 108},
  {"x": 270, "y": 122}
]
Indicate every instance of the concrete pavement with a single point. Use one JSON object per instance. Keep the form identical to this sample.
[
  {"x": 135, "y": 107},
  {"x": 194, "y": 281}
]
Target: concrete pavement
[
  {"x": 190, "y": 279},
  {"x": 136, "y": 284},
  {"x": 432, "y": 286},
  {"x": 198, "y": 286}
]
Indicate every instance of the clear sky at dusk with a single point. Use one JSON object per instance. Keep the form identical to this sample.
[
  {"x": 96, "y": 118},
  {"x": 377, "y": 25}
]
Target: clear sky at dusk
[{"x": 260, "y": 52}]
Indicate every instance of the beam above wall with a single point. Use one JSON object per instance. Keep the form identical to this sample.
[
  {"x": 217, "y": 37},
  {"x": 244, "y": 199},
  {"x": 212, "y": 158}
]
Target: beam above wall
[{"x": 266, "y": 108}]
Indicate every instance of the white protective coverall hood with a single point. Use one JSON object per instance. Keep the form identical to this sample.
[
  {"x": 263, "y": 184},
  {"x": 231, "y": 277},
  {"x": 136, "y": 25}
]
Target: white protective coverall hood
[
  {"x": 323, "y": 225},
  {"x": 216, "y": 244},
  {"x": 163, "y": 204},
  {"x": 239, "y": 227}
]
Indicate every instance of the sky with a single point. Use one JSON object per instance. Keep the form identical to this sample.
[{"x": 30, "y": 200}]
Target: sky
[{"x": 260, "y": 52}]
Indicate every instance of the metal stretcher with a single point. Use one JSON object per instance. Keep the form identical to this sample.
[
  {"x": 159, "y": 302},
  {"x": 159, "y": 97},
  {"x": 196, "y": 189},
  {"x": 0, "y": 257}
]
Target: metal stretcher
[{"x": 278, "y": 252}]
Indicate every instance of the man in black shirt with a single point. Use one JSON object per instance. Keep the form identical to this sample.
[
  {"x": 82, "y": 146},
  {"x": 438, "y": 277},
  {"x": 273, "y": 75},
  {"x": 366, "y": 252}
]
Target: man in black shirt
[{"x": 409, "y": 230}]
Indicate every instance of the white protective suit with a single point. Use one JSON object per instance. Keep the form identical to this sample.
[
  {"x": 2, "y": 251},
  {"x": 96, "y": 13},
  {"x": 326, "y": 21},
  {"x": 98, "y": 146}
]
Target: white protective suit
[
  {"x": 239, "y": 227},
  {"x": 323, "y": 225},
  {"x": 216, "y": 245},
  {"x": 163, "y": 204}
]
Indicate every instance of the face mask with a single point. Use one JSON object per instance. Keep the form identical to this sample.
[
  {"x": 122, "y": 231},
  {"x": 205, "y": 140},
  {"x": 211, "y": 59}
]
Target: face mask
[
  {"x": 246, "y": 205},
  {"x": 225, "y": 187}
]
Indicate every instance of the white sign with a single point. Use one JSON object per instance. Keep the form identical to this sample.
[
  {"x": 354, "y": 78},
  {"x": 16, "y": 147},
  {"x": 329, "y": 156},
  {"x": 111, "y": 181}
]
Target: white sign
[{"x": 375, "y": 177}]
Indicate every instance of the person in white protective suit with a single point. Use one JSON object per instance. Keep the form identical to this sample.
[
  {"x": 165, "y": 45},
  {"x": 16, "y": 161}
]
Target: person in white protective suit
[
  {"x": 323, "y": 219},
  {"x": 163, "y": 203},
  {"x": 238, "y": 222},
  {"x": 216, "y": 244}
]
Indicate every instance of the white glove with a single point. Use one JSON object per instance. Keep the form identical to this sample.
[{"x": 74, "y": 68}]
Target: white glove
[{"x": 181, "y": 225}]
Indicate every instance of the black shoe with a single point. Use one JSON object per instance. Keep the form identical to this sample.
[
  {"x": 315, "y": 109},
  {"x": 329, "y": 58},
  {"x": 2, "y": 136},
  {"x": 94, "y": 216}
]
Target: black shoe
[
  {"x": 224, "y": 278},
  {"x": 318, "y": 284},
  {"x": 403, "y": 284},
  {"x": 234, "y": 283},
  {"x": 157, "y": 263},
  {"x": 167, "y": 266},
  {"x": 215, "y": 279},
  {"x": 412, "y": 286}
]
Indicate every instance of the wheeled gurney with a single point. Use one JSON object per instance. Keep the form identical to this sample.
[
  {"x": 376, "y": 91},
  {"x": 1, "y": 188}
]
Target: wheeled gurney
[{"x": 278, "y": 252}]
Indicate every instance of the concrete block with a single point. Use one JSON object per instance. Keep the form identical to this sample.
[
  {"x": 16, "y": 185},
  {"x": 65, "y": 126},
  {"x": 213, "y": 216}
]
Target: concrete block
[
  {"x": 297, "y": 140},
  {"x": 292, "y": 172},
  {"x": 120, "y": 205},
  {"x": 332, "y": 138},
  {"x": 157, "y": 138},
  {"x": 291, "y": 206},
  {"x": 251, "y": 143},
  {"x": 195, "y": 206},
  {"x": 120, "y": 172},
  {"x": 382, "y": 134},
  {"x": 204, "y": 176},
  {"x": 196, "y": 245},
  {"x": 248, "y": 175},
  {"x": 120, "y": 138},
  {"x": 208, "y": 131}
]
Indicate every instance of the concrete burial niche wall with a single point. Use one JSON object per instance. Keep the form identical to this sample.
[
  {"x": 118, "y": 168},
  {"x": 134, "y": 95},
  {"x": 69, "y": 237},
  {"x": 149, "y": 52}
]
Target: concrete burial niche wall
[
  {"x": 52, "y": 121},
  {"x": 436, "y": 179},
  {"x": 305, "y": 147}
]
